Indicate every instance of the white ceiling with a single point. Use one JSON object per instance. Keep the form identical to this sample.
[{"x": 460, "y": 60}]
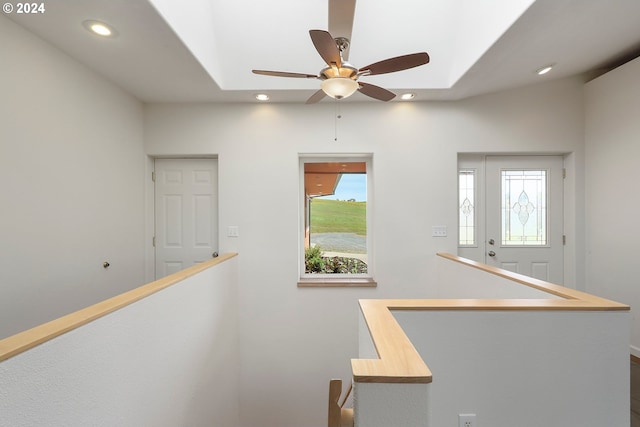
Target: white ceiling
[{"x": 204, "y": 50}]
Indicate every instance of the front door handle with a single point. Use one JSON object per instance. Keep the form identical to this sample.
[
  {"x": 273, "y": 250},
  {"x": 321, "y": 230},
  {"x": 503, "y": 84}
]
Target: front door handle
[{"x": 491, "y": 253}]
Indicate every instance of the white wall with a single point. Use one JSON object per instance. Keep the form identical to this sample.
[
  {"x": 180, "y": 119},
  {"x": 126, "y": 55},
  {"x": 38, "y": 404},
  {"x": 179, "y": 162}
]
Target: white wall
[
  {"x": 458, "y": 281},
  {"x": 294, "y": 340},
  {"x": 170, "y": 360},
  {"x": 511, "y": 368},
  {"x": 71, "y": 164},
  {"x": 525, "y": 369},
  {"x": 612, "y": 104}
]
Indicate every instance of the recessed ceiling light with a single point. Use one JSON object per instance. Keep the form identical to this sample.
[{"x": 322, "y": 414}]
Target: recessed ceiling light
[
  {"x": 262, "y": 97},
  {"x": 544, "y": 70},
  {"x": 407, "y": 96},
  {"x": 100, "y": 28}
]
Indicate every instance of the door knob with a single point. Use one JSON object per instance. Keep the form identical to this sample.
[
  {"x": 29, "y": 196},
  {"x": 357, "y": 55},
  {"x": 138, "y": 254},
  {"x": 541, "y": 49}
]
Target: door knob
[
  {"x": 492, "y": 242},
  {"x": 491, "y": 253}
]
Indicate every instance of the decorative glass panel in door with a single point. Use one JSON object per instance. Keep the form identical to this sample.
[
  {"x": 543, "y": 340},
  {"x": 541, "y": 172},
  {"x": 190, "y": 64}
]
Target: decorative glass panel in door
[
  {"x": 524, "y": 207},
  {"x": 466, "y": 207}
]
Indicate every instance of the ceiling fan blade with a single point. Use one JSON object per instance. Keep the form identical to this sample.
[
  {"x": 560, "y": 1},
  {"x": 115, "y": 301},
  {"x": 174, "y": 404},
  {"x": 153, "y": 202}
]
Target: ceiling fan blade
[
  {"x": 398, "y": 63},
  {"x": 341, "y": 14},
  {"x": 316, "y": 97},
  {"x": 376, "y": 92},
  {"x": 326, "y": 47},
  {"x": 284, "y": 74}
]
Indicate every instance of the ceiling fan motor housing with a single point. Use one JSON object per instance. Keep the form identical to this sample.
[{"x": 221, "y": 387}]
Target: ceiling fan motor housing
[{"x": 347, "y": 71}]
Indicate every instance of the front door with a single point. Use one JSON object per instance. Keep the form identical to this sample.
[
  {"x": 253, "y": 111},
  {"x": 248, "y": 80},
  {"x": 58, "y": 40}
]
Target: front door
[
  {"x": 524, "y": 216},
  {"x": 186, "y": 213}
]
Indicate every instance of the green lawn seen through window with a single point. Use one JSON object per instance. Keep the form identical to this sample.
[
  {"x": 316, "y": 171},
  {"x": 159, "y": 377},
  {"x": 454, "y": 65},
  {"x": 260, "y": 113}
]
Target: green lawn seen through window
[{"x": 338, "y": 216}]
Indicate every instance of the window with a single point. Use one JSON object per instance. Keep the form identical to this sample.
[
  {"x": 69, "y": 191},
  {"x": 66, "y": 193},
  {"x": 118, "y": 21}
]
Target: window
[
  {"x": 335, "y": 225},
  {"x": 467, "y": 207}
]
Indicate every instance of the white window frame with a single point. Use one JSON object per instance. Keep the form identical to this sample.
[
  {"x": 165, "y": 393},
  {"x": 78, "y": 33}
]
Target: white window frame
[{"x": 336, "y": 279}]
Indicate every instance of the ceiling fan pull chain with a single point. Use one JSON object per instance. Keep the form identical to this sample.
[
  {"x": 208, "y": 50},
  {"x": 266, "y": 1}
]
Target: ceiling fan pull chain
[{"x": 336, "y": 117}]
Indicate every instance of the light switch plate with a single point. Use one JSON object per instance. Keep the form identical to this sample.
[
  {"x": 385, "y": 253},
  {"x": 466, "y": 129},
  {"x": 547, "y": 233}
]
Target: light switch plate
[{"x": 439, "y": 231}]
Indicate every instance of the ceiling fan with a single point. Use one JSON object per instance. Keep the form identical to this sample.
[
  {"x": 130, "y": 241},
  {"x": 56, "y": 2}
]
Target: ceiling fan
[{"x": 341, "y": 79}]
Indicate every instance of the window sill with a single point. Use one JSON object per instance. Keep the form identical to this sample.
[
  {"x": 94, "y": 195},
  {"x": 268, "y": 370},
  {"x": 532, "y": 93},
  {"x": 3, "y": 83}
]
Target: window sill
[{"x": 337, "y": 282}]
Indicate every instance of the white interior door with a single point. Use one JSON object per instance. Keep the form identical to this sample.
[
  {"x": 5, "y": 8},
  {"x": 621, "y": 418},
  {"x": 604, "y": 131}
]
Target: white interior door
[
  {"x": 186, "y": 213},
  {"x": 524, "y": 215}
]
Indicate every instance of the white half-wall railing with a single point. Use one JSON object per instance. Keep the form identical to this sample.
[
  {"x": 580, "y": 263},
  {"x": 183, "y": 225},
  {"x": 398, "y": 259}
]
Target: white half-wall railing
[
  {"x": 515, "y": 351},
  {"x": 156, "y": 355}
]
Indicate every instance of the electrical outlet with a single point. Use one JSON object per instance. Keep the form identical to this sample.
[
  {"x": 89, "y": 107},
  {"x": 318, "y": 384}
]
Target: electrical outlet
[{"x": 467, "y": 420}]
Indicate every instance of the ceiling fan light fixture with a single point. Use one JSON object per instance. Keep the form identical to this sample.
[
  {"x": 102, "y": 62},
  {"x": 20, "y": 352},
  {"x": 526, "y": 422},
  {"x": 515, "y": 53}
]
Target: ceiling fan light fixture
[{"x": 339, "y": 87}]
